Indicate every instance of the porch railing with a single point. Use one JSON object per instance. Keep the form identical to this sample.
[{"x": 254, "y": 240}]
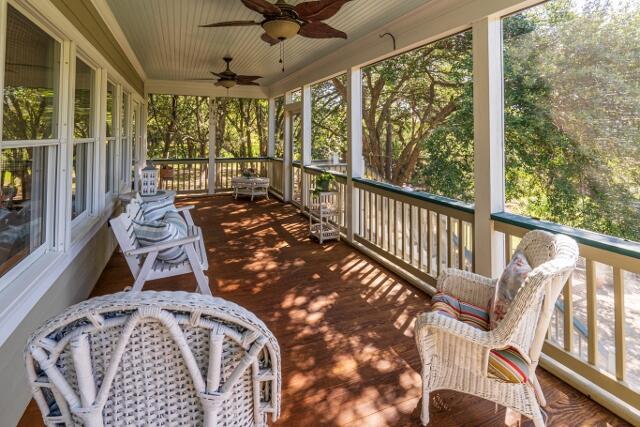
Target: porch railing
[
  {"x": 226, "y": 169},
  {"x": 420, "y": 232},
  {"x": 591, "y": 330},
  {"x": 183, "y": 175}
]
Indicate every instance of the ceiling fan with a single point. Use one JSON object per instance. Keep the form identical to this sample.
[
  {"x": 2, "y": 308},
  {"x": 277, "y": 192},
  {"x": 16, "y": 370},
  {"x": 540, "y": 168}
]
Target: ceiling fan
[
  {"x": 283, "y": 21},
  {"x": 229, "y": 79}
]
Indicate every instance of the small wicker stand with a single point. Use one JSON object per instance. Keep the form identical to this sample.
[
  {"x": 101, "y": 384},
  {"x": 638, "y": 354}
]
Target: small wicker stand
[{"x": 324, "y": 213}]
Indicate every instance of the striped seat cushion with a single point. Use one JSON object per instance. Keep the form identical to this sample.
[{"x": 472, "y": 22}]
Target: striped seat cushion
[
  {"x": 150, "y": 233},
  {"x": 174, "y": 217},
  {"x": 506, "y": 365}
]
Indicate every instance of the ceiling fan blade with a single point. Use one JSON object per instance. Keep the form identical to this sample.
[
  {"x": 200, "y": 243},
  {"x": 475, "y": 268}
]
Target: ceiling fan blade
[
  {"x": 320, "y": 30},
  {"x": 319, "y": 10},
  {"x": 263, "y": 7},
  {"x": 248, "y": 78},
  {"x": 201, "y": 80},
  {"x": 240, "y": 83},
  {"x": 267, "y": 38},
  {"x": 216, "y": 74},
  {"x": 230, "y": 24}
]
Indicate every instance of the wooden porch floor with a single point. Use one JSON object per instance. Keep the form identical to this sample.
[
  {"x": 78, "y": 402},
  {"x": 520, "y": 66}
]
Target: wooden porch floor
[{"x": 344, "y": 324}]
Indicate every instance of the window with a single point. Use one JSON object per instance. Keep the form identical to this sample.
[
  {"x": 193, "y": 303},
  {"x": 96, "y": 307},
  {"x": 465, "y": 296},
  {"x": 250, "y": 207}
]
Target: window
[
  {"x": 84, "y": 140},
  {"x": 418, "y": 118},
  {"x": 111, "y": 139},
  {"x": 572, "y": 115},
  {"x": 329, "y": 124},
  {"x": 124, "y": 139},
  {"x": 279, "y": 142},
  {"x": 30, "y": 126}
]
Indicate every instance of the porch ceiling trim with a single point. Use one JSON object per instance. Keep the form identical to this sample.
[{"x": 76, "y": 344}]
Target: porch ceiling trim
[{"x": 88, "y": 21}]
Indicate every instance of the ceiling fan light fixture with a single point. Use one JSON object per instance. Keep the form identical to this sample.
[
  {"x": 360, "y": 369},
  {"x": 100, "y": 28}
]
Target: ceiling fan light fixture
[
  {"x": 281, "y": 29},
  {"x": 226, "y": 83}
]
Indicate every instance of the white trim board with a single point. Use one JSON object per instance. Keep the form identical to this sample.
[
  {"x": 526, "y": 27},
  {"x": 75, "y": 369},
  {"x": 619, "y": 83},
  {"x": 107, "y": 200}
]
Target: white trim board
[{"x": 108, "y": 17}]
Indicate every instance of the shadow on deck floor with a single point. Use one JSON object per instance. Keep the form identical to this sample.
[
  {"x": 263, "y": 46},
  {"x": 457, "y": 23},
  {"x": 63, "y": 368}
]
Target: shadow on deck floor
[{"x": 344, "y": 324}]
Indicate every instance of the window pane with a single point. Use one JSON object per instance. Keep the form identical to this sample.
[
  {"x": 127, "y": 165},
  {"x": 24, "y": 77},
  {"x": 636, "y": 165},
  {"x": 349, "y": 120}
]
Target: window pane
[
  {"x": 23, "y": 176},
  {"x": 111, "y": 152},
  {"x": 111, "y": 93},
  {"x": 572, "y": 114},
  {"x": 83, "y": 114},
  {"x": 124, "y": 115},
  {"x": 329, "y": 124},
  {"x": 81, "y": 178},
  {"x": 30, "y": 85},
  {"x": 418, "y": 118}
]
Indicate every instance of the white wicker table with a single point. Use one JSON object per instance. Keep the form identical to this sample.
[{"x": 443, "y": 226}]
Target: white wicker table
[
  {"x": 324, "y": 215},
  {"x": 244, "y": 186}
]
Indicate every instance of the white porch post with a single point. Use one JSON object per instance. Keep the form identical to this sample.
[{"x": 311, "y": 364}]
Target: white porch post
[
  {"x": 287, "y": 154},
  {"x": 271, "y": 142},
  {"x": 489, "y": 144},
  {"x": 213, "y": 131},
  {"x": 306, "y": 141},
  {"x": 355, "y": 166}
]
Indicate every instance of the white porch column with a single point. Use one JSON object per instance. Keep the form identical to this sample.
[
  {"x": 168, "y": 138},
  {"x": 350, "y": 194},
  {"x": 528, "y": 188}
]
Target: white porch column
[
  {"x": 489, "y": 144},
  {"x": 271, "y": 142},
  {"x": 355, "y": 166},
  {"x": 287, "y": 154},
  {"x": 213, "y": 131},
  {"x": 306, "y": 141}
]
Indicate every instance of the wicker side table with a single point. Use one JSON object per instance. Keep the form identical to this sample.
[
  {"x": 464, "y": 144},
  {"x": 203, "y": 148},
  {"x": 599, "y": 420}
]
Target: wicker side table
[{"x": 324, "y": 214}]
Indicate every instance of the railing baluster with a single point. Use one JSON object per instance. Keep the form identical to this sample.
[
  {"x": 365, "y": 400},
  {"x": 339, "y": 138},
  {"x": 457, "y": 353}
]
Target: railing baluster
[
  {"x": 618, "y": 289},
  {"x": 568, "y": 314},
  {"x": 592, "y": 306},
  {"x": 450, "y": 248},
  {"x": 461, "y": 244}
]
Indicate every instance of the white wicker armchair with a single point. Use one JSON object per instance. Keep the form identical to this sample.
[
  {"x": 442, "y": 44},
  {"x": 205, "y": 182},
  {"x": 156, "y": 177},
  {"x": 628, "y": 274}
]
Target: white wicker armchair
[
  {"x": 455, "y": 355},
  {"x": 155, "y": 358}
]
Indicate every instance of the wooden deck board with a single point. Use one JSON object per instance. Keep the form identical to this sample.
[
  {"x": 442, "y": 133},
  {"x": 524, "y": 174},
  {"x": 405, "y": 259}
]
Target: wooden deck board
[{"x": 344, "y": 324}]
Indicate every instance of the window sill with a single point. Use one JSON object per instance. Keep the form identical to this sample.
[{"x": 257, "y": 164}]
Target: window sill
[{"x": 24, "y": 291}]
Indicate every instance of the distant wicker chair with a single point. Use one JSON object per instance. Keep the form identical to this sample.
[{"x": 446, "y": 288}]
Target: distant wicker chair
[
  {"x": 155, "y": 358},
  {"x": 455, "y": 354}
]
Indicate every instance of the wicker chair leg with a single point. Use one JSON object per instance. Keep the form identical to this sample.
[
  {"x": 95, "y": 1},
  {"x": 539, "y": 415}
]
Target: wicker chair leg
[
  {"x": 538, "y": 419},
  {"x": 538, "y": 389},
  {"x": 424, "y": 413}
]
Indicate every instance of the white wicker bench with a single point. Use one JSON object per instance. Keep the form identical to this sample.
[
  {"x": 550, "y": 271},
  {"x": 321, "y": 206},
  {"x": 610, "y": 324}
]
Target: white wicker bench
[
  {"x": 155, "y": 358},
  {"x": 143, "y": 261}
]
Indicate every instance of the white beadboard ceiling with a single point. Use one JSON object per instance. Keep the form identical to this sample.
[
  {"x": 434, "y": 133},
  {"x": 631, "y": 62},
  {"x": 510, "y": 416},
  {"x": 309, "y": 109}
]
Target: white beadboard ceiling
[{"x": 165, "y": 37}]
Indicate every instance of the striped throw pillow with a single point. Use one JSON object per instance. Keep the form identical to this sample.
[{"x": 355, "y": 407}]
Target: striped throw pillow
[
  {"x": 150, "y": 233},
  {"x": 174, "y": 217},
  {"x": 506, "y": 365},
  {"x": 155, "y": 211},
  {"x": 460, "y": 310}
]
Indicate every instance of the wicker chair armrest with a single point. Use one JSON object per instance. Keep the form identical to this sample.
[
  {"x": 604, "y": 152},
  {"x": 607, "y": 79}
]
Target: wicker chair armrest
[
  {"x": 469, "y": 287},
  {"x": 193, "y": 236},
  {"x": 434, "y": 323}
]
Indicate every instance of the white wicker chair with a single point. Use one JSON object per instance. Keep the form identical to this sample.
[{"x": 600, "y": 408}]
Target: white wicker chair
[
  {"x": 155, "y": 358},
  {"x": 455, "y": 355}
]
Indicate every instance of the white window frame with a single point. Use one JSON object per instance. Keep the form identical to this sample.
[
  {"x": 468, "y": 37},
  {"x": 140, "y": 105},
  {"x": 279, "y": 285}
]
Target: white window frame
[
  {"x": 54, "y": 233},
  {"x": 111, "y": 181},
  {"x": 90, "y": 209}
]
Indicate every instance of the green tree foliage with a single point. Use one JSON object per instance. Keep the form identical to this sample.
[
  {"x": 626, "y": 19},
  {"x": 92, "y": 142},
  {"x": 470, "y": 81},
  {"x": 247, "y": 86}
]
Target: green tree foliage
[
  {"x": 178, "y": 127},
  {"x": 242, "y": 127},
  {"x": 572, "y": 114},
  {"x": 418, "y": 118},
  {"x": 329, "y": 119}
]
